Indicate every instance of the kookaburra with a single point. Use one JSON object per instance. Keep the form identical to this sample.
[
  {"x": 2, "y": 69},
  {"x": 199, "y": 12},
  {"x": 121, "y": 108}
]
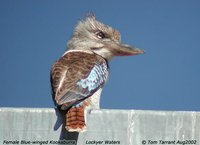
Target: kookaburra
[{"x": 79, "y": 76}]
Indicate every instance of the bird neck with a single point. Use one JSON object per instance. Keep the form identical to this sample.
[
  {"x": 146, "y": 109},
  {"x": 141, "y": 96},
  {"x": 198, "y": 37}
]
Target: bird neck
[{"x": 76, "y": 50}]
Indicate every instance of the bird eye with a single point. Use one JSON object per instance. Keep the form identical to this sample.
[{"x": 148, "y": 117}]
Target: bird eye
[{"x": 100, "y": 35}]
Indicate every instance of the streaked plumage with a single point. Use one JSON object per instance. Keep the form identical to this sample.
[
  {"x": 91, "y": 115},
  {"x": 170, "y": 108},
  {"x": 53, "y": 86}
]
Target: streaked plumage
[{"x": 80, "y": 74}]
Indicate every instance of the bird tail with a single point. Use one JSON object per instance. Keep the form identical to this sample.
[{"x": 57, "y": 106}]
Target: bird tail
[{"x": 75, "y": 119}]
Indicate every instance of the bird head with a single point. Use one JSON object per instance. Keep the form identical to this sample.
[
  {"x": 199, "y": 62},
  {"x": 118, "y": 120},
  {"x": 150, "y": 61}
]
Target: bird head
[{"x": 101, "y": 39}]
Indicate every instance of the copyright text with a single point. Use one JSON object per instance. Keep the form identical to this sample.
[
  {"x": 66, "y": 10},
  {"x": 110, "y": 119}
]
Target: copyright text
[{"x": 172, "y": 142}]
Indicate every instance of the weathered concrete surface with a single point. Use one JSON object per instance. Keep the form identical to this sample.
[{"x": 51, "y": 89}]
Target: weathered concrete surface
[{"x": 124, "y": 127}]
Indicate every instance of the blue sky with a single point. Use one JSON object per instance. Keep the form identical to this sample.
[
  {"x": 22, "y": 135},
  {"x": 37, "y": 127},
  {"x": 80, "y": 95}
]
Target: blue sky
[{"x": 33, "y": 35}]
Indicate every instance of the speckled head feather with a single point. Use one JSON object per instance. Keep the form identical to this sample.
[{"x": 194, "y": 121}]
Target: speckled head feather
[
  {"x": 90, "y": 25},
  {"x": 92, "y": 35},
  {"x": 85, "y": 36}
]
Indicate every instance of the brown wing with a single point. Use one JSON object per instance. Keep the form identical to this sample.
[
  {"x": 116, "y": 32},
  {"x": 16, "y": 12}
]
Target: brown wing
[{"x": 77, "y": 75}]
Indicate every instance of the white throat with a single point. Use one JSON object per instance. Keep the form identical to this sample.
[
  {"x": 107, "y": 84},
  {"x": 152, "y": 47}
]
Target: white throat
[{"x": 105, "y": 53}]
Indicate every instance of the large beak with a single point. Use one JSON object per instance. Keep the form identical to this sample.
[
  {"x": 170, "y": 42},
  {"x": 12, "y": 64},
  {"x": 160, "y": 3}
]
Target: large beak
[{"x": 124, "y": 49}]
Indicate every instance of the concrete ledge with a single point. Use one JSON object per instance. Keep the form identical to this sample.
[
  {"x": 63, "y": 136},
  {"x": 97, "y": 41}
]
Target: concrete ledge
[{"x": 125, "y": 127}]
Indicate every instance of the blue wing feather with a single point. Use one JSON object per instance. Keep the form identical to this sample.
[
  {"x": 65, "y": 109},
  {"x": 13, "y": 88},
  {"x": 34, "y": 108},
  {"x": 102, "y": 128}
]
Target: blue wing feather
[{"x": 97, "y": 77}]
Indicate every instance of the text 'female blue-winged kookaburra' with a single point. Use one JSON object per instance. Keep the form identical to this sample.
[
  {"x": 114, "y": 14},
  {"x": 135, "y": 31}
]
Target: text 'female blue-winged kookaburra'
[{"x": 79, "y": 75}]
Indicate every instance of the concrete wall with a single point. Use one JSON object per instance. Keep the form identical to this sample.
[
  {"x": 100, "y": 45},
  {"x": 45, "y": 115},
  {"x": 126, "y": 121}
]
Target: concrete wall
[{"x": 125, "y": 127}]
